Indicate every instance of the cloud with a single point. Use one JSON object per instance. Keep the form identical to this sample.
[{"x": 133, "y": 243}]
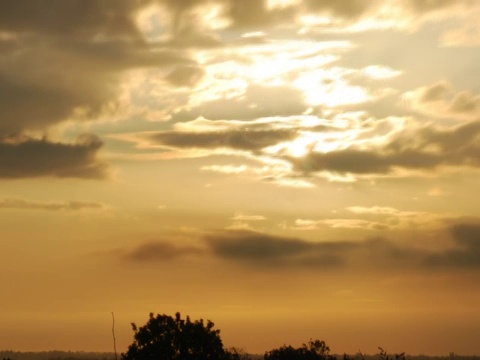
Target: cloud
[
  {"x": 434, "y": 92},
  {"x": 465, "y": 254},
  {"x": 215, "y": 136},
  {"x": 264, "y": 250},
  {"x": 343, "y": 161},
  {"x": 65, "y": 60},
  {"x": 46, "y": 82},
  {"x": 68, "y": 61},
  {"x": 421, "y": 6},
  {"x": 21, "y": 204},
  {"x": 307, "y": 224},
  {"x": 428, "y": 149},
  {"x": 375, "y": 218},
  {"x": 185, "y": 75},
  {"x": 440, "y": 100},
  {"x": 254, "y": 102},
  {"x": 41, "y": 157},
  {"x": 252, "y": 140},
  {"x": 68, "y": 17},
  {"x": 253, "y": 248},
  {"x": 255, "y": 14},
  {"x": 466, "y": 34},
  {"x": 250, "y": 248},
  {"x": 158, "y": 251},
  {"x": 346, "y": 9},
  {"x": 247, "y": 217},
  {"x": 341, "y": 148},
  {"x": 252, "y": 135}
]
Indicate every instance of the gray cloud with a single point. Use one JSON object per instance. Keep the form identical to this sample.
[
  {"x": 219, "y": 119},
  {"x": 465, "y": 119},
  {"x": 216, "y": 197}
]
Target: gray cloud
[
  {"x": 261, "y": 250},
  {"x": 185, "y": 75},
  {"x": 245, "y": 139},
  {"x": 61, "y": 57},
  {"x": 264, "y": 250},
  {"x": 343, "y": 161},
  {"x": 345, "y": 8},
  {"x": 453, "y": 147},
  {"x": 69, "y": 17},
  {"x": 21, "y": 204},
  {"x": 422, "y": 6},
  {"x": 32, "y": 158},
  {"x": 254, "y": 14},
  {"x": 249, "y": 245},
  {"x": 44, "y": 81},
  {"x": 466, "y": 237}
]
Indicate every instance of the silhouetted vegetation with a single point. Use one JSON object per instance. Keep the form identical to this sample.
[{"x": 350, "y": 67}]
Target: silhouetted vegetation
[
  {"x": 55, "y": 355},
  {"x": 166, "y": 338},
  {"x": 313, "y": 350},
  {"x": 172, "y": 338}
]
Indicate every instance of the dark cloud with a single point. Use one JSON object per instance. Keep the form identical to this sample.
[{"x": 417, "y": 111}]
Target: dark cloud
[
  {"x": 242, "y": 244},
  {"x": 244, "y": 139},
  {"x": 63, "y": 58},
  {"x": 21, "y": 204},
  {"x": 185, "y": 75},
  {"x": 343, "y": 161},
  {"x": 44, "y": 83},
  {"x": 261, "y": 250},
  {"x": 467, "y": 236},
  {"x": 33, "y": 158},
  {"x": 265, "y": 250},
  {"x": 254, "y": 14},
  {"x": 67, "y": 17},
  {"x": 159, "y": 251},
  {"x": 462, "y": 139},
  {"x": 466, "y": 253},
  {"x": 423, "y": 6},
  {"x": 344, "y": 8},
  {"x": 430, "y": 148}
]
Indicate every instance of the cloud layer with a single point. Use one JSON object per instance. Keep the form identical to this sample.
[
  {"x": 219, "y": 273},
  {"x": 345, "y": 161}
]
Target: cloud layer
[
  {"x": 21, "y": 204},
  {"x": 32, "y": 158},
  {"x": 261, "y": 250},
  {"x": 70, "y": 63}
]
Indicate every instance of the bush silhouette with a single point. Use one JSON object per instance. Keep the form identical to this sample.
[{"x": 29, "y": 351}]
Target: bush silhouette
[
  {"x": 166, "y": 338},
  {"x": 313, "y": 350}
]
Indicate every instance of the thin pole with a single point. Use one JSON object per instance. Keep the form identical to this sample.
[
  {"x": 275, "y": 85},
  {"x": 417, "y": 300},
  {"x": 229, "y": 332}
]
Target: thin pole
[{"x": 113, "y": 332}]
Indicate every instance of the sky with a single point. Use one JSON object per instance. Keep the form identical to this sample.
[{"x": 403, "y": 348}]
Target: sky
[{"x": 287, "y": 169}]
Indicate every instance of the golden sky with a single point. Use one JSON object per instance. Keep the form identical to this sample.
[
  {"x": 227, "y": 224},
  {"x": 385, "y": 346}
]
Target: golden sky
[{"x": 288, "y": 169}]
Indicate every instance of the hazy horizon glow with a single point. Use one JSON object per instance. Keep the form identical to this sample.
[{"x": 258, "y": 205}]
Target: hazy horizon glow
[{"x": 288, "y": 169}]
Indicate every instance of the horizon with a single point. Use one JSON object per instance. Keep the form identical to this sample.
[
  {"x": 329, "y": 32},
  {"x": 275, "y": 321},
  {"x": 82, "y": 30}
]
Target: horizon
[
  {"x": 87, "y": 354},
  {"x": 289, "y": 169}
]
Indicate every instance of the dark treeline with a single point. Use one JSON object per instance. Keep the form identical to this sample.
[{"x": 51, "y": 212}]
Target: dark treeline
[
  {"x": 55, "y": 355},
  {"x": 82, "y": 355},
  {"x": 166, "y": 337}
]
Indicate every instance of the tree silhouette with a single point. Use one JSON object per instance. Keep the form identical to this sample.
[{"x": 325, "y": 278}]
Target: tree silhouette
[
  {"x": 166, "y": 338},
  {"x": 313, "y": 350}
]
